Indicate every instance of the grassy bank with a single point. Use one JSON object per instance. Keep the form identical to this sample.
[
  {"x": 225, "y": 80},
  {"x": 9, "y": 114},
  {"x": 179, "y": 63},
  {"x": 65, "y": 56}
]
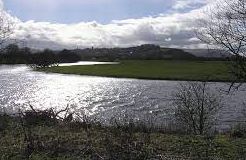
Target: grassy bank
[
  {"x": 154, "y": 69},
  {"x": 32, "y": 137}
]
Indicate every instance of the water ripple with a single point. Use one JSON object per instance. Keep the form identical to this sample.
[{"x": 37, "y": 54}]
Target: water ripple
[{"x": 101, "y": 97}]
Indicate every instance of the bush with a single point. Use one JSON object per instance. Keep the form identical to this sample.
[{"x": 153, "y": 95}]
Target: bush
[
  {"x": 239, "y": 130},
  {"x": 44, "y": 59},
  {"x": 195, "y": 106},
  {"x": 4, "y": 121}
]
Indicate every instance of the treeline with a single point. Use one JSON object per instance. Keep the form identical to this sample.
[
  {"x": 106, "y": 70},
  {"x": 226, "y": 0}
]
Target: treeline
[
  {"x": 13, "y": 54},
  {"x": 48, "y": 58}
]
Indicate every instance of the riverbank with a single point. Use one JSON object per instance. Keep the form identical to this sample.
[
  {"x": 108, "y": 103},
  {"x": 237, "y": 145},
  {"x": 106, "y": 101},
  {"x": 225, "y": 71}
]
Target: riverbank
[
  {"x": 36, "y": 136},
  {"x": 217, "y": 71}
]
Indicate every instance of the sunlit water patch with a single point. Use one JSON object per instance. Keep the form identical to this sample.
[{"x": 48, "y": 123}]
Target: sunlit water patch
[{"x": 82, "y": 63}]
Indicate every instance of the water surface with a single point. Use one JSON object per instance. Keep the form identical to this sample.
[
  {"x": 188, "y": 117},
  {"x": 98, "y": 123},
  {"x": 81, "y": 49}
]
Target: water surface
[{"x": 102, "y": 97}]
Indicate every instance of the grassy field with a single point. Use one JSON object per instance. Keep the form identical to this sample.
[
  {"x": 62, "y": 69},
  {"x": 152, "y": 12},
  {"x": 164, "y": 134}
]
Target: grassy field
[
  {"x": 154, "y": 69},
  {"x": 31, "y": 138}
]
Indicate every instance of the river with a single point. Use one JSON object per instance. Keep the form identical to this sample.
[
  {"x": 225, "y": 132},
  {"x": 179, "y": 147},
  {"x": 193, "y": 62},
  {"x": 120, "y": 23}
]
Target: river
[{"x": 101, "y": 97}]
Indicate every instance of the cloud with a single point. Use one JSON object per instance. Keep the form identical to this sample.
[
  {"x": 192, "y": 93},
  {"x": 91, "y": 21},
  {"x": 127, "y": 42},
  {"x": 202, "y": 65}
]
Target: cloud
[
  {"x": 181, "y": 4},
  {"x": 155, "y": 30},
  {"x": 184, "y": 4},
  {"x": 1, "y": 5},
  {"x": 169, "y": 30}
]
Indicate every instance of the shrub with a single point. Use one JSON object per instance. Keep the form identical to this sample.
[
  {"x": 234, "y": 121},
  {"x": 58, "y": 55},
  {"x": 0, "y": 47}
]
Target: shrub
[{"x": 195, "y": 106}]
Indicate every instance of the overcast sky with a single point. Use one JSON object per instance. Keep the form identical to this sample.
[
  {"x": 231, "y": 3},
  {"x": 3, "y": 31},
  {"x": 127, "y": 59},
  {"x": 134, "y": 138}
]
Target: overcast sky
[{"x": 105, "y": 23}]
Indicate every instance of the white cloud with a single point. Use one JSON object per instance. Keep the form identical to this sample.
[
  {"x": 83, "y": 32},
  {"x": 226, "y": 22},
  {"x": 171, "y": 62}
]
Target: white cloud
[
  {"x": 165, "y": 30},
  {"x": 194, "y": 39},
  {"x": 1, "y": 5},
  {"x": 181, "y": 4},
  {"x": 184, "y": 4}
]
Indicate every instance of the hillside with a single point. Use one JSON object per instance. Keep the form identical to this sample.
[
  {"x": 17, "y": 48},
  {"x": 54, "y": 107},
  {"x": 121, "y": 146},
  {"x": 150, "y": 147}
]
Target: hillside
[
  {"x": 208, "y": 53},
  {"x": 146, "y": 52}
]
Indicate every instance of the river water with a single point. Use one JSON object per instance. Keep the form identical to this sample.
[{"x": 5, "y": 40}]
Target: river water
[{"x": 101, "y": 97}]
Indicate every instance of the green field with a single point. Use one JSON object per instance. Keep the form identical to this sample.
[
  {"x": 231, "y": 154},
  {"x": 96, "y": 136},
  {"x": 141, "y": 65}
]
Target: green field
[{"x": 154, "y": 69}]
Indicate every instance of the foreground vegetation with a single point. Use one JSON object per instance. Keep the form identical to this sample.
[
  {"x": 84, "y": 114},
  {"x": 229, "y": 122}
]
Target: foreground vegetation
[
  {"x": 39, "y": 136},
  {"x": 154, "y": 69},
  {"x": 67, "y": 134}
]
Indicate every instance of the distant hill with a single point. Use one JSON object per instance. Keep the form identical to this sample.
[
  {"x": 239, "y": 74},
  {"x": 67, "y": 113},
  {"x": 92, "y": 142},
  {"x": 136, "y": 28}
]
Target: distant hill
[
  {"x": 146, "y": 52},
  {"x": 173, "y": 53},
  {"x": 14, "y": 54},
  {"x": 208, "y": 53}
]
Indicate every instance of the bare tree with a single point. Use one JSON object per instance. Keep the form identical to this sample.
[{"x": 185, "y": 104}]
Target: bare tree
[
  {"x": 195, "y": 106},
  {"x": 224, "y": 26},
  {"x": 6, "y": 27}
]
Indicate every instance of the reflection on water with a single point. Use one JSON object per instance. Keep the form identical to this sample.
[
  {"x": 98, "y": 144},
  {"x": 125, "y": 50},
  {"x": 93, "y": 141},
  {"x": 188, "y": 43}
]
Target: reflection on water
[
  {"x": 86, "y": 63},
  {"x": 101, "y": 97}
]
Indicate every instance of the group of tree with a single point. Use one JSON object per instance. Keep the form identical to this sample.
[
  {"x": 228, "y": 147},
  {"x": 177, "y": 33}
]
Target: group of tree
[
  {"x": 47, "y": 58},
  {"x": 13, "y": 54}
]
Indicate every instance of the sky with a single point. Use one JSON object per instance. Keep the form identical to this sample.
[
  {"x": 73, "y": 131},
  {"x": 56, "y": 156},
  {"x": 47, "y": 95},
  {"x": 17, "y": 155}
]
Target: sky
[{"x": 69, "y": 24}]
